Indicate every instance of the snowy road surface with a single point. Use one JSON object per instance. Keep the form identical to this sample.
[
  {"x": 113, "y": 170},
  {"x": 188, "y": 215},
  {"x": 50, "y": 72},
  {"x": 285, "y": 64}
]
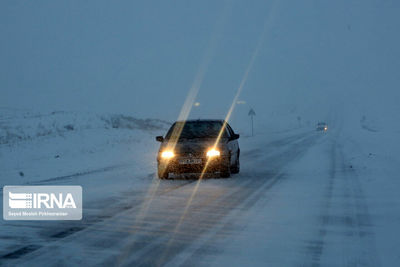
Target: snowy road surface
[{"x": 298, "y": 201}]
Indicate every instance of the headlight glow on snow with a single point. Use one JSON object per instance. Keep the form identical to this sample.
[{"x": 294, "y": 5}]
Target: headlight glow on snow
[
  {"x": 213, "y": 152},
  {"x": 167, "y": 154}
]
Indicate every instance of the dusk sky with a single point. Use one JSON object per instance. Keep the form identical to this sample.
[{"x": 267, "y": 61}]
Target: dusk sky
[{"x": 142, "y": 57}]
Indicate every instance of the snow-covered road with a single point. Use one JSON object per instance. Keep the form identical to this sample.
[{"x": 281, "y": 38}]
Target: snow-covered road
[{"x": 298, "y": 201}]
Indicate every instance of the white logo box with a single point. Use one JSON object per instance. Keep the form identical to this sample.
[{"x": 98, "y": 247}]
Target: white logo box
[{"x": 42, "y": 202}]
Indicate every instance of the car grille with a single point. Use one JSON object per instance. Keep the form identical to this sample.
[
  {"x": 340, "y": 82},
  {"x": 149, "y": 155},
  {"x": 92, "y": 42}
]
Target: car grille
[{"x": 190, "y": 155}]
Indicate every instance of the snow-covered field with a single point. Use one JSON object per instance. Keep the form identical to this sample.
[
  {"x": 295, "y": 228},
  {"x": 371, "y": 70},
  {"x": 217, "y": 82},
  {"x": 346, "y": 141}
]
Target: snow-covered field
[
  {"x": 41, "y": 146},
  {"x": 100, "y": 152},
  {"x": 302, "y": 198}
]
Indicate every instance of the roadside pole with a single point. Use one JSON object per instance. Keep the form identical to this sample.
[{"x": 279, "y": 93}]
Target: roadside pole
[{"x": 251, "y": 114}]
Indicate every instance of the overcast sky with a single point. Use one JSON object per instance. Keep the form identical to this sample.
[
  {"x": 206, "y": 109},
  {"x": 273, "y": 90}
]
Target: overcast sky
[{"x": 142, "y": 57}]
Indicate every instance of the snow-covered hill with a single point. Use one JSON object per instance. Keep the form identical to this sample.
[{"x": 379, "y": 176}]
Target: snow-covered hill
[
  {"x": 36, "y": 146},
  {"x": 19, "y": 125}
]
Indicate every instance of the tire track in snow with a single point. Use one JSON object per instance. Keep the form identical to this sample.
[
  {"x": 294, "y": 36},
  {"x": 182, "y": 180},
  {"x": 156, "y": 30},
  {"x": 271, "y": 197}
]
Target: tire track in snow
[
  {"x": 150, "y": 235},
  {"x": 81, "y": 225},
  {"x": 207, "y": 248},
  {"x": 239, "y": 201},
  {"x": 345, "y": 234}
]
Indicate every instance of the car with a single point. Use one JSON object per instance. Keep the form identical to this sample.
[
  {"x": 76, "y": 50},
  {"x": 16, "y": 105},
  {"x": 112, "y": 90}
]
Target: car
[
  {"x": 199, "y": 146},
  {"x": 322, "y": 126}
]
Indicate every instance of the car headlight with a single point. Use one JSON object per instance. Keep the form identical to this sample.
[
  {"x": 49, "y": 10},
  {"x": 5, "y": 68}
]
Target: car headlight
[
  {"x": 167, "y": 154},
  {"x": 213, "y": 153}
]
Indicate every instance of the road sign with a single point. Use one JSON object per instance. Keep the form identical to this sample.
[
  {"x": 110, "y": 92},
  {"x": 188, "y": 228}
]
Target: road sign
[{"x": 251, "y": 114}]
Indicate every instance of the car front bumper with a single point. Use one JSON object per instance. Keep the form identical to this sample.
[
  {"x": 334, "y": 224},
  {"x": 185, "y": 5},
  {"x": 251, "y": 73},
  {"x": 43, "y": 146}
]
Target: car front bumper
[{"x": 207, "y": 165}]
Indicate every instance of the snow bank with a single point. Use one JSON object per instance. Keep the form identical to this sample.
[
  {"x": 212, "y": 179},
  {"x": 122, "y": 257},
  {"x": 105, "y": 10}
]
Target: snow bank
[
  {"x": 36, "y": 147},
  {"x": 16, "y": 125}
]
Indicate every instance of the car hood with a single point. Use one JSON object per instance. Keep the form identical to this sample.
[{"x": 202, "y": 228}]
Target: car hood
[{"x": 194, "y": 146}]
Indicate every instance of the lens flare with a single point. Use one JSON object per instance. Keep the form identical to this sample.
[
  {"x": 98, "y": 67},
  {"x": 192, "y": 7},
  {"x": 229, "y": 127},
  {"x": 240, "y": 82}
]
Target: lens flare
[
  {"x": 167, "y": 154},
  {"x": 267, "y": 25},
  {"x": 213, "y": 152},
  {"x": 189, "y": 104},
  {"x": 198, "y": 80}
]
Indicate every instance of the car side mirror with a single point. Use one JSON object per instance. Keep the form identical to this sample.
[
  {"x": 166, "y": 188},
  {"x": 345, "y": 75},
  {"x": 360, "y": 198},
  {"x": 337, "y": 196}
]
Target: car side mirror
[
  {"x": 235, "y": 136},
  {"x": 159, "y": 138}
]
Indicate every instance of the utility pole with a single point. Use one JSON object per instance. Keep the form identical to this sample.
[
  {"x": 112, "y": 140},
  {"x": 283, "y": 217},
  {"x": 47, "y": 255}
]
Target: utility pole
[{"x": 251, "y": 114}]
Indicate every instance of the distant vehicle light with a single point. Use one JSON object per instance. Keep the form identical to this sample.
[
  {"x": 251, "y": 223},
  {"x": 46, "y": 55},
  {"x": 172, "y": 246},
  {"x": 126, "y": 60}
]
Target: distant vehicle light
[
  {"x": 213, "y": 153},
  {"x": 167, "y": 154},
  {"x": 326, "y": 128}
]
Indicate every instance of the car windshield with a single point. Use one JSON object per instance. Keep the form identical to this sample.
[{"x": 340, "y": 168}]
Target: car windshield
[{"x": 196, "y": 129}]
